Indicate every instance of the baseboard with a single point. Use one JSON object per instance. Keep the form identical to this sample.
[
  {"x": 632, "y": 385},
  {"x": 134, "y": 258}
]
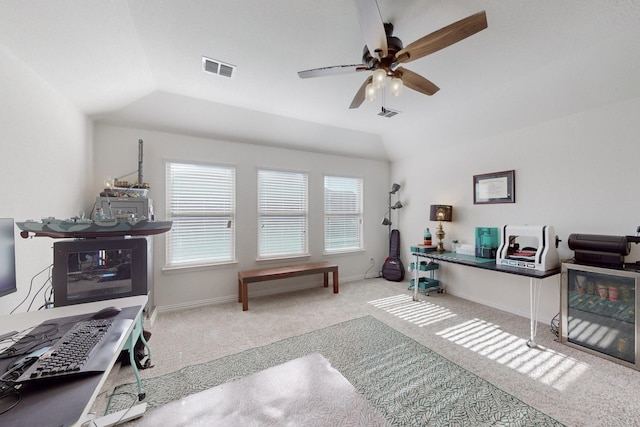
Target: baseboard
[
  {"x": 196, "y": 304},
  {"x": 489, "y": 303},
  {"x": 256, "y": 293},
  {"x": 151, "y": 318}
]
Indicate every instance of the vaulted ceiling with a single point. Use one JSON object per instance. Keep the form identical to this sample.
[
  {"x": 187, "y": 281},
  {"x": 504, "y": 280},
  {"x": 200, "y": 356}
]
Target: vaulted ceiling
[{"x": 138, "y": 63}]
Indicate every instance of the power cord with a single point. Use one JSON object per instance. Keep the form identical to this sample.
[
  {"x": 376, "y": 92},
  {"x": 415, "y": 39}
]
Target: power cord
[
  {"x": 9, "y": 397},
  {"x": 47, "y": 282},
  {"x": 373, "y": 264},
  {"x": 32, "y": 340},
  {"x": 9, "y": 394},
  {"x": 555, "y": 325},
  {"x": 126, "y": 411},
  {"x": 31, "y": 286}
]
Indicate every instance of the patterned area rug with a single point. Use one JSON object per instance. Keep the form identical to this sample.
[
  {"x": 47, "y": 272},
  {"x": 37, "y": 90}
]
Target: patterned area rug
[{"x": 410, "y": 384}]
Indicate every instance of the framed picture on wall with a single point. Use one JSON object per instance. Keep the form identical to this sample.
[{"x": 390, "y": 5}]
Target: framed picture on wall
[{"x": 497, "y": 187}]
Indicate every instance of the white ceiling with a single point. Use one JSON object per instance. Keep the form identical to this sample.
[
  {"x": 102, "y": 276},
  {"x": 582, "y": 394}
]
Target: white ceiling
[{"x": 138, "y": 63}]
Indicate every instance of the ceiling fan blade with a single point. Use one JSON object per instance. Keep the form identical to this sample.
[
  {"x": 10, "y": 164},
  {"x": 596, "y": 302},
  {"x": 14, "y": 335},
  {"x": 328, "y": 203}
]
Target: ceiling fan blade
[
  {"x": 331, "y": 71},
  {"x": 372, "y": 27},
  {"x": 416, "y": 81},
  {"x": 444, "y": 37},
  {"x": 360, "y": 95}
]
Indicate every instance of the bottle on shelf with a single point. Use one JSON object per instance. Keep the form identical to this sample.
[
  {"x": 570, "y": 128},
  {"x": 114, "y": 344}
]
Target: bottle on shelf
[{"x": 427, "y": 237}]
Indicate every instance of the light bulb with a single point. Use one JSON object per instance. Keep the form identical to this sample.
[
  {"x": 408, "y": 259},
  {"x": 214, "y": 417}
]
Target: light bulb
[
  {"x": 396, "y": 86},
  {"x": 370, "y": 92},
  {"x": 379, "y": 78}
]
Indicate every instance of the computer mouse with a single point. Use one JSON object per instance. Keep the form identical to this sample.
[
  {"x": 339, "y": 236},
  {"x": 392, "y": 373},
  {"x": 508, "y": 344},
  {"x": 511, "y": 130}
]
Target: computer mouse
[{"x": 106, "y": 312}]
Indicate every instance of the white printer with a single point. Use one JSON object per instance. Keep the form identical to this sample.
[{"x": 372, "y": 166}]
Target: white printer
[{"x": 528, "y": 246}]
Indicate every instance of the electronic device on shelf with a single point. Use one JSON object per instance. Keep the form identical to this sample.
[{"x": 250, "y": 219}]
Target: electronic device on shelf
[
  {"x": 602, "y": 250},
  {"x": 528, "y": 246},
  {"x": 99, "y": 269}
]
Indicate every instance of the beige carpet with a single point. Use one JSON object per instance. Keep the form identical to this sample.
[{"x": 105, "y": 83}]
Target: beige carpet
[
  {"x": 575, "y": 388},
  {"x": 404, "y": 380}
]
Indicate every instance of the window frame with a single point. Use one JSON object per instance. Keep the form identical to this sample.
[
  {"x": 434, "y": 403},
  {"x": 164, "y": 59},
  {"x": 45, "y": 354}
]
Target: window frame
[
  {"x": 292, "y": 213},
  {"x": 359, "y": 213},
  {"x": 226, "y": 213}
]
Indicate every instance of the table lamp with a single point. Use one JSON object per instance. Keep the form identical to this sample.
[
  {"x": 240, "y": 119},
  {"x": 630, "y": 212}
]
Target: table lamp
[{"x": 440, "y": 213}]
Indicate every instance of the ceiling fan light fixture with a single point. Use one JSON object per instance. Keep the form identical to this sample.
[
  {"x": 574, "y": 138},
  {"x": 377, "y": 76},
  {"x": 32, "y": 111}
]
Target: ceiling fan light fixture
[
  {"x": 396, "y": 86},
  {"x": 379, "y": 78},
  {"x": 370, "y": 92},
  {"x": 385, "y": 54}
]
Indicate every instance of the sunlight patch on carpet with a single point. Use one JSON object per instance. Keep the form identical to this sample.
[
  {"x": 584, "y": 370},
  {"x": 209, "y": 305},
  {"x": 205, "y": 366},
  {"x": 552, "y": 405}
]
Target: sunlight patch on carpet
[
  {"x": 420, "y": 313},
  {"x": 544, "y": 365}
]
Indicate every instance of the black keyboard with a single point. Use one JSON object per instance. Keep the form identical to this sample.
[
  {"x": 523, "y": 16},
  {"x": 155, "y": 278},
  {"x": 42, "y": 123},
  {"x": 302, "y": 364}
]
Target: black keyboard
[{"x": 88, "y": 347}]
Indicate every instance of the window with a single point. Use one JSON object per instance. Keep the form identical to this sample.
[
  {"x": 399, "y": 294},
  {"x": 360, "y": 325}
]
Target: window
[
  {"x": 201, "y": 204},
  {"x": 282, "y": 214},
  {"x": 342, "y": 214}
]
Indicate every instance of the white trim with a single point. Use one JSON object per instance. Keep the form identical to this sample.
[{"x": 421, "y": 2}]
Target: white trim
[{"x": 253, "y": 293}]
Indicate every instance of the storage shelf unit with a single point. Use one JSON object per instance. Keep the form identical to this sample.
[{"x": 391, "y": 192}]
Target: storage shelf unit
[
  {"x": 598, "y": 312},
  {"x": 425, "y": 284}
]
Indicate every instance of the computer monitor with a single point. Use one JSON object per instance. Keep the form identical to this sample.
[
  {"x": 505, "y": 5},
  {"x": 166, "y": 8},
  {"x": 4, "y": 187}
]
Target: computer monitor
[
  {"x": 88, "y": 270},
  {"x": 8, "y": 283}
]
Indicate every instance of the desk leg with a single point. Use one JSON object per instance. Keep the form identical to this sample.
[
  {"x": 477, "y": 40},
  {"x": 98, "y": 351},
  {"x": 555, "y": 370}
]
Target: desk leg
[
  {"x": 146, "y": 345},
  {"x": 132, "y": 360},
  {"x": 533, "y": 305},
  {"x": 326, "y": 279},
  {"x": 416, "y": 278},
  {"x": 335, "y": 281},
  {"x": 131, "y": 346}
]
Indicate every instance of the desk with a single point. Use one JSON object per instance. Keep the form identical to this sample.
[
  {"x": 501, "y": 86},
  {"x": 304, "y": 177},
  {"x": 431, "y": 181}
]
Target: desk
[
  {"x": 68, "y": 402},
  {"x": 535, "y": 277}
]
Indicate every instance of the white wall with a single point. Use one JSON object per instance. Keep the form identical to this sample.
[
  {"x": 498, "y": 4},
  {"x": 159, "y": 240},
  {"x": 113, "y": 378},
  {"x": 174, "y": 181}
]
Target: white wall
[
  {"x": 578, "y": 173},
  {"x": 45, "y": 167},
  {"x": 116, "y": 153},
  {"x": 566, "y": 171}
]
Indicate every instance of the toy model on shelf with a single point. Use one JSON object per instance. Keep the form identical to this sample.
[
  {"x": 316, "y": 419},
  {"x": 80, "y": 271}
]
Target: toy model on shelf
[
  {"x": 118, "y": 222},
  {"x": 87, "y": 228}
]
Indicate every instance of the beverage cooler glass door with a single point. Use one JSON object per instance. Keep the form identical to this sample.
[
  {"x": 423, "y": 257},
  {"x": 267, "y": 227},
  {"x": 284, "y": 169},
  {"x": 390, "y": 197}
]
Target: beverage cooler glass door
[{"x": 600, "y": 311}]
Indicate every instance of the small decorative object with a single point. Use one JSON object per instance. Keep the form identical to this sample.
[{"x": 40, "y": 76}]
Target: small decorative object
[
  {"x": 441, "y": 213},
  {"x": 427, "y": 237},
  {"x": 497, "y": 187}
]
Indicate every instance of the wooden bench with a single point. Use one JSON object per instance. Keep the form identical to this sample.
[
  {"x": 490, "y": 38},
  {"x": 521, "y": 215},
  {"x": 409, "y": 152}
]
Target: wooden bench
[{"x": 263, "y": 274}]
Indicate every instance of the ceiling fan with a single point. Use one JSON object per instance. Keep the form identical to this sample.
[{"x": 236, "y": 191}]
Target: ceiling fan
[{"x": 384, "y": 54}]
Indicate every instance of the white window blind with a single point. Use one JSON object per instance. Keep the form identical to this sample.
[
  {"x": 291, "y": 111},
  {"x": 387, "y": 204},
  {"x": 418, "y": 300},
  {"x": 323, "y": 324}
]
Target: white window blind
[
  {"x": 342, "y": 213},
  {"x": 282, "y": 213},
  {"x": 201, "y": 204}
]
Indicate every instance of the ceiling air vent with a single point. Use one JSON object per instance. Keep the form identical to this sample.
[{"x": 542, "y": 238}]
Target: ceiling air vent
[
  {"x": 387, "y": 112},
  {"x": 214, "y": 66}
]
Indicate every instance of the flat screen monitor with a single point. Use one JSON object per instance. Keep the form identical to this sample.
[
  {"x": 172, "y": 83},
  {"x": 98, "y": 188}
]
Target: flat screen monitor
[
  {"x": 8, "y": 282},
  {"x": 98, "y": 269}
]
